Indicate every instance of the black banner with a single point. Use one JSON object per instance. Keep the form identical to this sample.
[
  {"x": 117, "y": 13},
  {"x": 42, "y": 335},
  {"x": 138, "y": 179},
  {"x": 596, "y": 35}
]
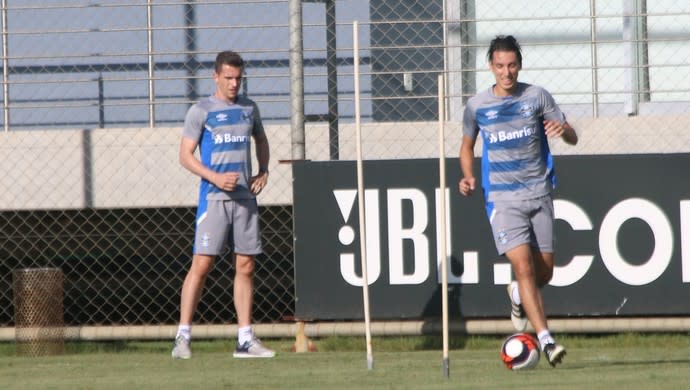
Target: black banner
[{"x": 622, "y": 240}]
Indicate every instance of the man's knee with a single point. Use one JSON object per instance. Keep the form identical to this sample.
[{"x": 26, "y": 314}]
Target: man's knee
[
  {"x": 521, "y": 261},
  {"x": 244, "y": 264},
  {"x": 202, "y": 265}
]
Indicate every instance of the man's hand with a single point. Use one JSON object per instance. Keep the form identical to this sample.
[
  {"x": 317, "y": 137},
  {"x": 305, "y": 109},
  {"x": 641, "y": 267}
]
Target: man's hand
[
  {"x": 554, "y": 129},
  {"x": 564, "y": 130},
  {"x": 258, "y": 182},
  {"x": 226, "y": 181},
  {"x": 466, "y": 185}
]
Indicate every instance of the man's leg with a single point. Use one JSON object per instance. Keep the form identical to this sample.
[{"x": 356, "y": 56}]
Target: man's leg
[
  {"x": 248, "y": 346},
  {"x": 533, "y": 270},
  {"x": 543, "y": 267},
  {"x": 193, "y": 286},
  {"x": 189, "y": 299},
  {"x": 243, "y": 289},
  {"x": 523, "y": 265}
]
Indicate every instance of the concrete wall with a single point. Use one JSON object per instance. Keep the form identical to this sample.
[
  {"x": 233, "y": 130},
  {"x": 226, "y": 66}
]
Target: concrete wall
[{"x": 123, "y": 168}]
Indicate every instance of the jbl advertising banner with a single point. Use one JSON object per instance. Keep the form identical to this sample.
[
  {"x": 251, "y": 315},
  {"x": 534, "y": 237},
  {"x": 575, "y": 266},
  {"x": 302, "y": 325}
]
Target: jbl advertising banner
[{"x": 622, "y": 240}]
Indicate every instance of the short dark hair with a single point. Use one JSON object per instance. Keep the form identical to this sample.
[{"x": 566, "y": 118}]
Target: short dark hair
[
  {"x": 505, "y": 43},
  {"x": 228, "y": 57}
]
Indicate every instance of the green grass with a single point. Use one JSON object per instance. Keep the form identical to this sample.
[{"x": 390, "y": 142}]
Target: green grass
[{"x": 628, "y": 361}]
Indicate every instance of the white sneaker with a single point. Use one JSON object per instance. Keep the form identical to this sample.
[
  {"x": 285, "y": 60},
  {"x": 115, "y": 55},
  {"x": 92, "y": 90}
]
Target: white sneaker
[
  {"x": 554, "y": 353},
  {"x": 517, "y": 314},
  {"x": 182, "y": 348},
  {"x": 253, "y": 349}
]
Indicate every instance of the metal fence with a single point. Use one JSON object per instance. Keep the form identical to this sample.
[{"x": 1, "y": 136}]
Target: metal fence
[{"x": 94, "y": 100}]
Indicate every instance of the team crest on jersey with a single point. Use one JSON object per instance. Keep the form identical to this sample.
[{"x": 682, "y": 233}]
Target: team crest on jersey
[
  {"x": 246, "y": 116},
  {"x": 221, "y": 117},
  {"x": 526, "y": 110}
]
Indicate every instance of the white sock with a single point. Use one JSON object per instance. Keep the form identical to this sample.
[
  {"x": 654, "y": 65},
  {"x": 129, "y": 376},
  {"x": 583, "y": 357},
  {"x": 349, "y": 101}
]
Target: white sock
[
  {"x": 184, "y": 331},
  {"x": 515, "y": 293},
  {"x": 545, "y": 338},
  {"x": 244, "y": 334}
]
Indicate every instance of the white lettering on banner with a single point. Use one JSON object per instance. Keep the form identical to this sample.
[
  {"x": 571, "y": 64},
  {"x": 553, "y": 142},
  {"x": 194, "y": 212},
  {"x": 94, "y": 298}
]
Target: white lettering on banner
[
  {"x": 578, "y": 265},
  {"x": 685, "y": 238},
  {"x": 636, "y": 275},
  {"x": 570, "y": 273},
  {"x": 470, "y": 260},
  {"x": 345, "y": 200},
  {"x": 502, "y": 273},
  {"x": 397, "y": 235}
]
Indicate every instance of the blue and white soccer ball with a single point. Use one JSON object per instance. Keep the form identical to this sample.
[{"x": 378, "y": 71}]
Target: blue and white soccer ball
[{"x": 520, "y": 351}]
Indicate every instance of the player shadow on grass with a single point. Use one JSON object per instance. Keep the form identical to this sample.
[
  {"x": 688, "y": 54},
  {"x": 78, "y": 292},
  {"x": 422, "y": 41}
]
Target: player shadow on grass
[
  {"x": 640, "y": 362},
  {"x": 432, "y": 327},
  {"x": 579, "y": 364}
]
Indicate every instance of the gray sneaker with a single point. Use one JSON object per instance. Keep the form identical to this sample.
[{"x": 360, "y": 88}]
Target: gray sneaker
[
  {"x": 253, "y": 349},
  {"x": 517, "y": 314},
  {"x": 182, "y": 348}
]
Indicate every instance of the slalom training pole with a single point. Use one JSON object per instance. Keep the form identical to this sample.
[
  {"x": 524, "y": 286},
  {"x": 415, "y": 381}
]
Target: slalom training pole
[
  {"x": 360, "y": 197},
  {"x": 442, "y": 250}
]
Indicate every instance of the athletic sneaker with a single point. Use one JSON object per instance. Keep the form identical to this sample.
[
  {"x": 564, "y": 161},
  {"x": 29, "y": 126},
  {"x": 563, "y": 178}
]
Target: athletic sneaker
[
  {"x": 182, "y": 348},
  {"x": 253, "y": 349},
  {"x": 554, "y": 353},
  {"x": 517, "y": 314}
]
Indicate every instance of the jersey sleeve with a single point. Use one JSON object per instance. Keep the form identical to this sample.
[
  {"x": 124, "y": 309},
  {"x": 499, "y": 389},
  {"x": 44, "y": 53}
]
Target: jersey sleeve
[
  {"x": 258, "y": 123},
  {"x": 469, "y": 120},
  {"x": 194, "y": 122},
  {"x": 550, "y": 110}
]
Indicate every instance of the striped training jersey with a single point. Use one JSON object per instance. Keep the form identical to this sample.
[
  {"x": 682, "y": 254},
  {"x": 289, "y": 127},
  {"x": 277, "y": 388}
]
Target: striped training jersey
[
  {"x": 516, "y": 161},
  {"x": 224, "y": 133}
]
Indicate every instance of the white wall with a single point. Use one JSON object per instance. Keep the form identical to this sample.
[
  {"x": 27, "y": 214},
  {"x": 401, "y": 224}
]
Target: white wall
[{"x": 139, "y": 167}]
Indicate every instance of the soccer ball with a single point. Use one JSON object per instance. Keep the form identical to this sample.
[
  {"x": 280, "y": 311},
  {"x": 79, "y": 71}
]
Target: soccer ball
[{"x": 520, "y": 351}]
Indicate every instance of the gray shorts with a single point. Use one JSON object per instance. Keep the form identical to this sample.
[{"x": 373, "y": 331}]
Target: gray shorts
[
  {"x": 518, "y": 222},
  {"x": 233, "y": 222}
]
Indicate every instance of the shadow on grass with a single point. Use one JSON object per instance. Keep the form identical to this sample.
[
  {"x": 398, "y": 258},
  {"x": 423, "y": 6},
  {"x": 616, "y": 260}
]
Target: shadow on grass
[
  {"x": 98, "y": 347},
  {"x": 642, "y": 362},
  {"x": 603, "y": 364}
]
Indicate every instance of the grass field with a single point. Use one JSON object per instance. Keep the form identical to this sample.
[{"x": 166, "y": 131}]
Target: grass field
[{"x": 625, "y": 361}]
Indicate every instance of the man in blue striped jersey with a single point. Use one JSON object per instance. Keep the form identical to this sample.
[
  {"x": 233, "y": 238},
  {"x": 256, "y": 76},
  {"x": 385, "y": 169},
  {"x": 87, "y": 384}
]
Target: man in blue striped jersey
[
  {"x": 515, "y": 121},
  {"x": 221, "y": 127}
]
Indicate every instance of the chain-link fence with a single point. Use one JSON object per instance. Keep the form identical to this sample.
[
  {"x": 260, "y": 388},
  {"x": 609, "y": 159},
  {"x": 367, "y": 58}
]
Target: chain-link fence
[{"x": 94, "y": 101}]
